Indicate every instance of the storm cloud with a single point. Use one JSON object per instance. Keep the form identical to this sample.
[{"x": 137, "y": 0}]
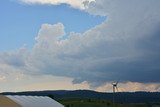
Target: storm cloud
[{"x": 125, "y": 47}]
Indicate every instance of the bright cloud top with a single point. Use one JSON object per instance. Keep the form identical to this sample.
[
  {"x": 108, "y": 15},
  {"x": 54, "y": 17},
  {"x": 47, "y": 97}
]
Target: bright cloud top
[{"x": 81, "y": 4}]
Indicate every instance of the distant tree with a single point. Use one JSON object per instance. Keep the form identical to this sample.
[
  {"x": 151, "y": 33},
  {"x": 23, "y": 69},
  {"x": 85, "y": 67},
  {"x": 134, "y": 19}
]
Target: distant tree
[
  {"x": 51, "y": 96},
  {"x": 103, "y": 101},
  {"x": 89, "y": 100},
  {"x": 67, "y": 106},
  {"x": 108, "y": 104},
  {"x": 148, "y": 104},
  {"x": 71, "y": 105}
]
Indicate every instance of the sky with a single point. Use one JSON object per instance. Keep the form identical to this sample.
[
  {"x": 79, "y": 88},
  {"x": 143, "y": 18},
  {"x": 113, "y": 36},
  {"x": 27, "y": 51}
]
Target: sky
[{"x": 79, "y": 44}]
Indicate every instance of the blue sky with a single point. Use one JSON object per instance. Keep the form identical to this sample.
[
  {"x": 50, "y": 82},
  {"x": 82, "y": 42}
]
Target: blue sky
[{"x": 20, "y": 22}]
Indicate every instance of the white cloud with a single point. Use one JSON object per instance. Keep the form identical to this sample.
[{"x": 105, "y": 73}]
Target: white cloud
[
  {"x": 81, "y": 4},
  {"x": 15, "y": 58}
]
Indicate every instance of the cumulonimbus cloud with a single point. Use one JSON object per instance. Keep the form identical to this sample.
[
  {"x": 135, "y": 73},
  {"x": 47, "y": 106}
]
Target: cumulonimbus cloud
[{"x": 123, "y": 48}]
